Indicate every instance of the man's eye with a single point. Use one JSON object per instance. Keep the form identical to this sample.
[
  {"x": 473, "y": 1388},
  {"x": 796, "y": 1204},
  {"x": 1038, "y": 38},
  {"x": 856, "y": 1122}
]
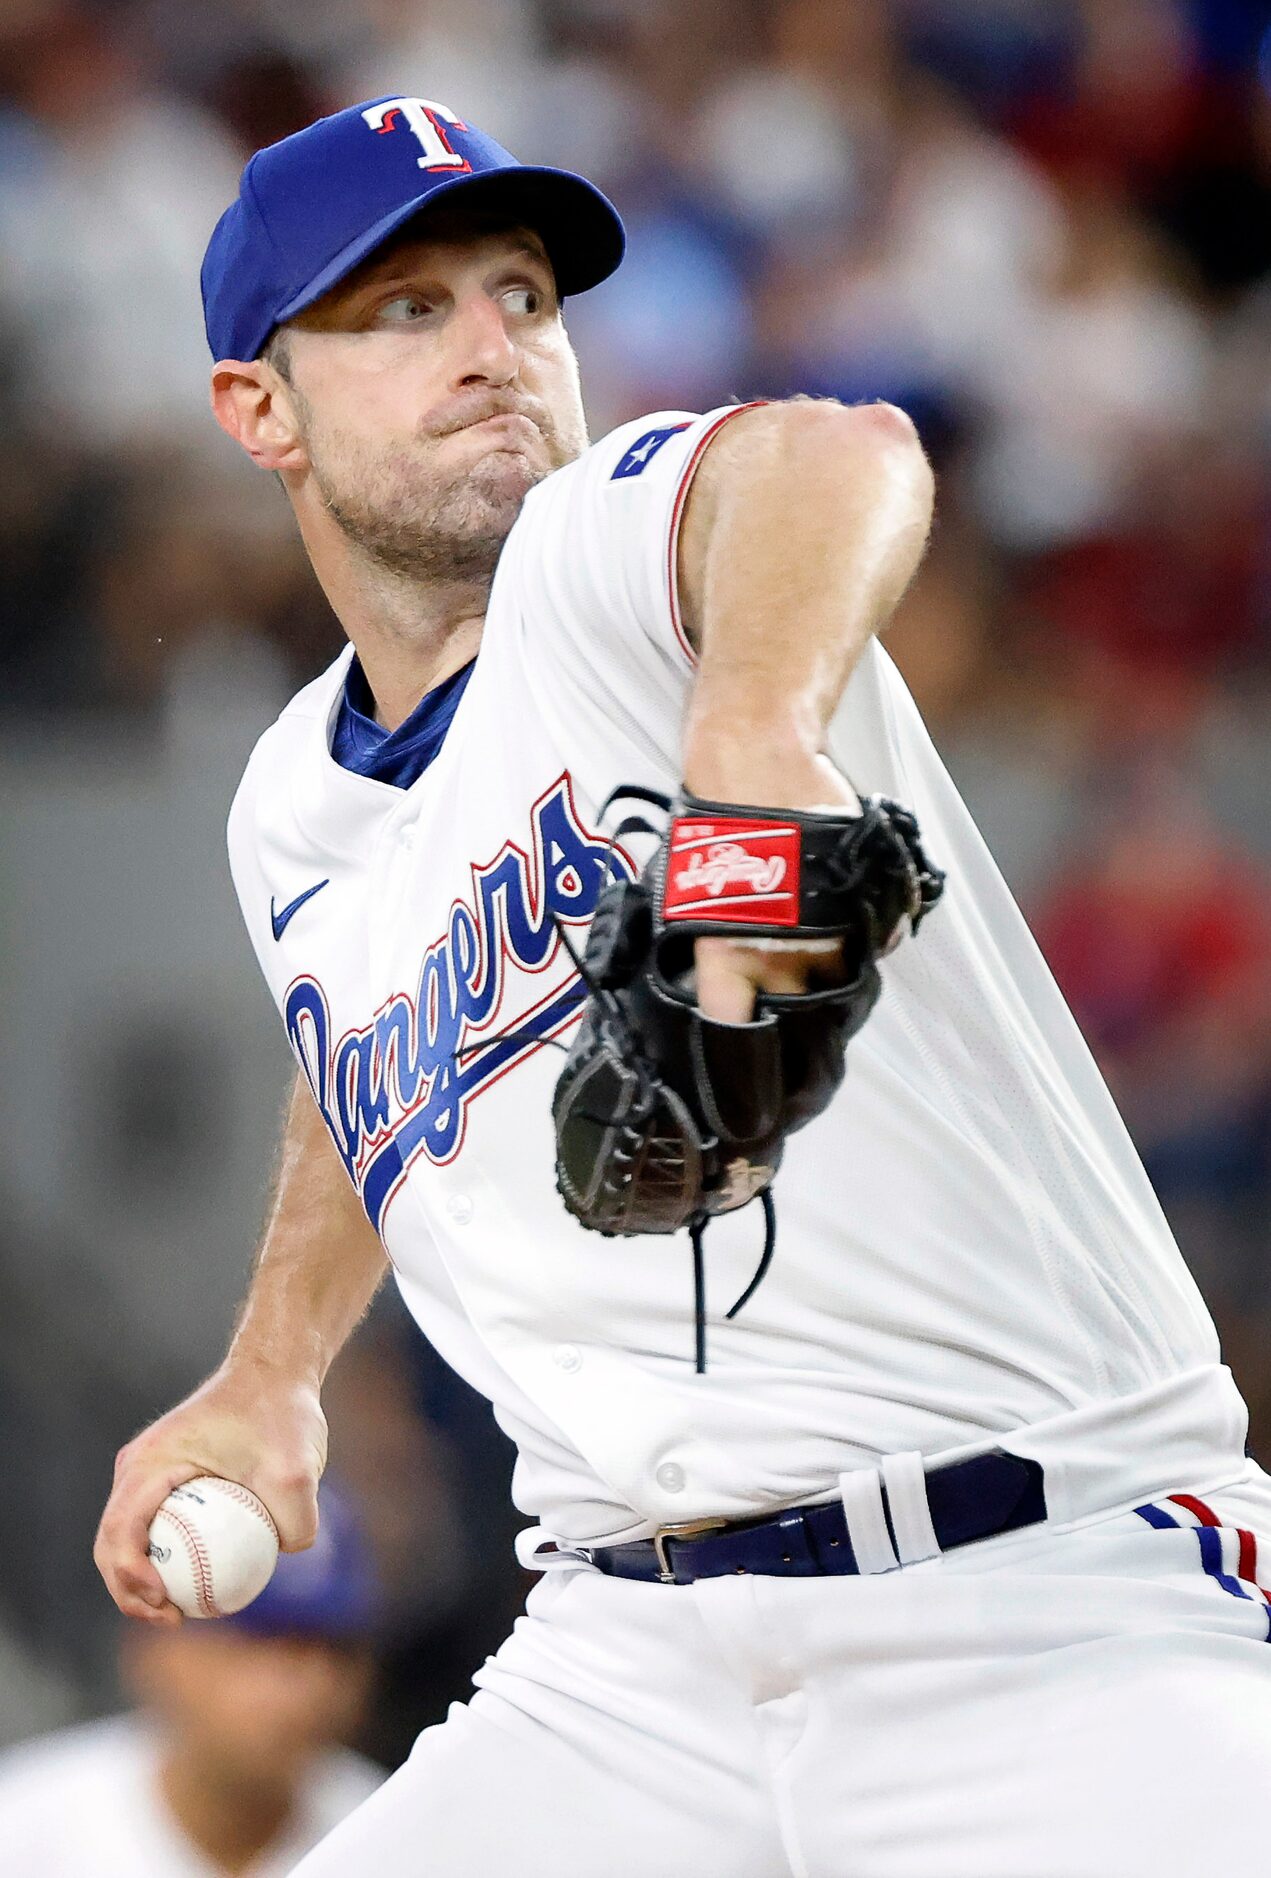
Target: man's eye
[
  {"x": 525, "y": 300},
  {"x": 404, "y": 310}
]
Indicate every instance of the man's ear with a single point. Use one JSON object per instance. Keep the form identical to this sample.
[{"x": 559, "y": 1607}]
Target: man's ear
[{"x": 252, "y": 404}]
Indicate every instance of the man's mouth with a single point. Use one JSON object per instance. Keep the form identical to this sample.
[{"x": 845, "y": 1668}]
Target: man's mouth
[{"x": 513, "y": 424}]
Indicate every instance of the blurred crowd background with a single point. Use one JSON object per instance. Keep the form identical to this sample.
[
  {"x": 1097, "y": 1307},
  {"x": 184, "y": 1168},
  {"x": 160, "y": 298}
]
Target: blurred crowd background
[{"x": 1041, "y": 226}]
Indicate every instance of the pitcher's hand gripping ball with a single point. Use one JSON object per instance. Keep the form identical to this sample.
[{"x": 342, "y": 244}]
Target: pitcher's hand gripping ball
[
  {"x": 214, "y": 1545},
  {"x": 663, "y": 1115}
]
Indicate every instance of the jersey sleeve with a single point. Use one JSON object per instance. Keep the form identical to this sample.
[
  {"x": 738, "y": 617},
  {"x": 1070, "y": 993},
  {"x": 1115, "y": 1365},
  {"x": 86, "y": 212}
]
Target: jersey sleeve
[
  {"x": 242, "y": 840},
  {"x": 599, "y": 539}
]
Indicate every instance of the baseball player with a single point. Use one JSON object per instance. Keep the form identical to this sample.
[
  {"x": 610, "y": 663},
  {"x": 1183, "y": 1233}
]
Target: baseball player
[
  {"x": 229, "y": 1761},
  {"x": 941, "y": 1559}
]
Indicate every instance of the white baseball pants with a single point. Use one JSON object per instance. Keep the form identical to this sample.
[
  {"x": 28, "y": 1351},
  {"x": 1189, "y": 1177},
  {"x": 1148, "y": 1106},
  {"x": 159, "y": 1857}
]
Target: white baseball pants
[{"x": 1085, "y": 1702}]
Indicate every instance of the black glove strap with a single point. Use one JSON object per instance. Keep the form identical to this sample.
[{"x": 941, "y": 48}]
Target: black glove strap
[{"x": 765, "y": 872}]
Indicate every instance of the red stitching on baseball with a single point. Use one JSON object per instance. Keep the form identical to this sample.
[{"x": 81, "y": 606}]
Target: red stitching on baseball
[
  {"x": 245, "y": 1497},
  {"x": 200, "y": 1564}
]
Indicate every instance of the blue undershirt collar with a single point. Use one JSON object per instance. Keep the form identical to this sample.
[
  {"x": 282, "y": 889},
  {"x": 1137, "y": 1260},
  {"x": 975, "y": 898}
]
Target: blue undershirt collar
[{"x": 399, "y": 756}]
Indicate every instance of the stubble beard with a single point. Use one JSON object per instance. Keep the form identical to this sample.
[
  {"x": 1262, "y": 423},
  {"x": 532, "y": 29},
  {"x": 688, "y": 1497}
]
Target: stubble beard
[{"x": 416, "y": 519}]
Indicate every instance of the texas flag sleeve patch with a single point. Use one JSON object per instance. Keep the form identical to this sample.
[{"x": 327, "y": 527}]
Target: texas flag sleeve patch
[{"x": 643, "y": 450}]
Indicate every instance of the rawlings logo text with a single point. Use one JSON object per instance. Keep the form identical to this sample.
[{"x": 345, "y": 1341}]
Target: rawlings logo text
[
  {"x": 733, "y": 869},
  {"x": 725, "y": 864}
]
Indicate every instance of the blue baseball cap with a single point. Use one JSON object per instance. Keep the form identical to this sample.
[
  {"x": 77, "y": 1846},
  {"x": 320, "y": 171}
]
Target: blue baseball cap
[
  {"x": 311, "y": 208},
  {"x": 328, "y": 1593}
]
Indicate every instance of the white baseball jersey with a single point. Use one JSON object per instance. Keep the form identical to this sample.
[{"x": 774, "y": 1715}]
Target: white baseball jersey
[
  {"x": 968, "y": 1249},
  {"x": 85, "y": 1803}
]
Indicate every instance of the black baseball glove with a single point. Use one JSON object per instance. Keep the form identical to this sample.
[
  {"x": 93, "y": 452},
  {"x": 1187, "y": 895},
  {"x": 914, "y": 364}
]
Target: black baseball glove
[{"x": 665, "y": 1116}]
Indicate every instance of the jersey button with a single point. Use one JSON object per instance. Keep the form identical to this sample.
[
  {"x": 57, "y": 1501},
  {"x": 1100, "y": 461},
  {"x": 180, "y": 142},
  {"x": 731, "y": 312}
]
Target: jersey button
[
  {"x": 569, "y": 1358},
  {"x": 459, "y": 1208},
  {"x": 670, "y": 1477}
]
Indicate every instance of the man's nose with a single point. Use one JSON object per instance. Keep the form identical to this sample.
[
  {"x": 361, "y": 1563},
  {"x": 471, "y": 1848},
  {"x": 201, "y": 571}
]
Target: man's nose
[{"x": 484, "y": 352}]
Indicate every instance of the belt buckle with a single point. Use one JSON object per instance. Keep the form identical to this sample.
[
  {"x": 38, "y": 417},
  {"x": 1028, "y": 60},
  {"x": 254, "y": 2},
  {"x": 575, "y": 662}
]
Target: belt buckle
[{"x": 685, "y": 1529}]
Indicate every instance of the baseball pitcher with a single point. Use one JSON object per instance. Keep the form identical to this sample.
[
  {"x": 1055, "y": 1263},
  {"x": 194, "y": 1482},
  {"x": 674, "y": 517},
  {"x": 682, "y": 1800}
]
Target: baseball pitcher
[{"x": 663, "y": 1024}]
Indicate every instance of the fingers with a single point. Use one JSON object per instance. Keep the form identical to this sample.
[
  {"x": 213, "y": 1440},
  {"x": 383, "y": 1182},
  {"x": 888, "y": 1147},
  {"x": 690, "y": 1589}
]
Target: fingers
[
  {"x": 286, "y": 1477},
  {"x": 141, "y": 1487},
  {"x": 730, "y": 972},
  {"x": 725, "y": 981},
  {"x": 120, "y": 1550},
  {"x": 291, "y": 1495},
  {"x": 270, "y": 1440}
]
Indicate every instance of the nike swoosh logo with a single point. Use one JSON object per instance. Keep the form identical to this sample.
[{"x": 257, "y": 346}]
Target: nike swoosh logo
[{"x": 280, "y": 921}]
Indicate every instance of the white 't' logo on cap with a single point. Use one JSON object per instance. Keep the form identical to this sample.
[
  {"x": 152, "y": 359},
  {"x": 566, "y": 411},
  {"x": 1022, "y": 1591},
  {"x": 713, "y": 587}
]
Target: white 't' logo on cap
[{"x": 421, "y": 116}]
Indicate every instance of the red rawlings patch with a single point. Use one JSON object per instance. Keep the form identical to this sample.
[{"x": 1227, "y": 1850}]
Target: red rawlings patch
[{"x": 733, "y": 869}]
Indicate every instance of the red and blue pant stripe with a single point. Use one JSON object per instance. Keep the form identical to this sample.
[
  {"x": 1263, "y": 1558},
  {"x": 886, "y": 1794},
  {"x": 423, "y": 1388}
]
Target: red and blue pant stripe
[{"x": 1214, "y": 1539}]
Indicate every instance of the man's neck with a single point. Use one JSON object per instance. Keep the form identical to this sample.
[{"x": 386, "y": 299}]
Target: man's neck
[
  {"x": 400, "y": 671},
  {"x": 231, "y": 1821},
  {"x": 409, "y": 634}
]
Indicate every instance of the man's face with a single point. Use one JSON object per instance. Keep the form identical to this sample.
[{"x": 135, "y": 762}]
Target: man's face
[
  {"x": 434, "y": 387},
  {"x": 246, "y": 1707}
]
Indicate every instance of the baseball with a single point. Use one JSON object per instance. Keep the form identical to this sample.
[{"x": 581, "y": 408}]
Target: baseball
[{"x": 214, "y": 1545}]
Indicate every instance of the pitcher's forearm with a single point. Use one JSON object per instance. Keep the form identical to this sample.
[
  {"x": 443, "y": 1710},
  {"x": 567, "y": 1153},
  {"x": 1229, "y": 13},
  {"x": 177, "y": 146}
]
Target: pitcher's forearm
[
  {"x": 804, "y": 525},
  {"x": 320, "y": 1263}
]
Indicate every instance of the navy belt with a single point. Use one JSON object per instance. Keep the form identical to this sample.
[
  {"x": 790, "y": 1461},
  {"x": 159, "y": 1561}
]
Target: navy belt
[{"x": 978, "y": 1498}]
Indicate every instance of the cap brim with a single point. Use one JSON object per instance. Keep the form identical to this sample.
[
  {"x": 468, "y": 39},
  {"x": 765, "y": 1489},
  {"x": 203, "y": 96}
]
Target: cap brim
[{"x": 579, "y": 227}]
